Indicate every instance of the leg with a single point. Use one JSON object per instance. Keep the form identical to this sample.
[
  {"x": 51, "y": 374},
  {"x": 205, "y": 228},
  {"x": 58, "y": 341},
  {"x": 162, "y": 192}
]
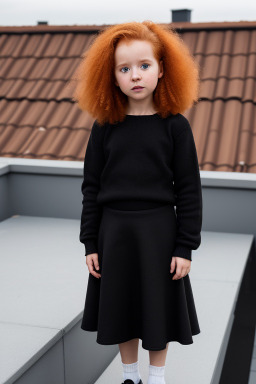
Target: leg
[
  {"x": 157, "y": 366},
  {"x": 129, "y": 360},
  {"x": 157, "y": 358},
  {"x": 129, "y": 351}
]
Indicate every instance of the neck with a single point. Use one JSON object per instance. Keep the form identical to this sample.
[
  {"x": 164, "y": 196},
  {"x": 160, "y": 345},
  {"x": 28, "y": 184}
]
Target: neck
[{"x": 140, "y": 108}]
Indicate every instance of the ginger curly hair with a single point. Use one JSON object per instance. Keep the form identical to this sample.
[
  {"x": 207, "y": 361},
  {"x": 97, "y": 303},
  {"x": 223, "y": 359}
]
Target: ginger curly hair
[{"x": 96, "y": 91}]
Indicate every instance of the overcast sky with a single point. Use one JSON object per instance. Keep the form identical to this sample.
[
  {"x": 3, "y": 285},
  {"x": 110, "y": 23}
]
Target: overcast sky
[{"x": 56, "y": 12}]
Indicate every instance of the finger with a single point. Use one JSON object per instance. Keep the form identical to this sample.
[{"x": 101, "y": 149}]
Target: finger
[
  {"x": 178, "y": 274},
  {"x": 90, "y": 265},
  {"x": 184, "y": 272},
  {"x": 91, "y": 269},
  {"x": 96, "y": 266},
  {"x": 95, "y": 274},
  {"x": 173, "y": 262}
]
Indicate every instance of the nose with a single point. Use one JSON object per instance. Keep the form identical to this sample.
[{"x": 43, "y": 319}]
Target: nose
[{"x": 135, "y": 74}]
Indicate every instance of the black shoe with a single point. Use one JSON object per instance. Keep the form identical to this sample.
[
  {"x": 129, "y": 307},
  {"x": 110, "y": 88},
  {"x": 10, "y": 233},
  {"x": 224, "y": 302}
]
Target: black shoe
[{"x": 129, "y": 381}]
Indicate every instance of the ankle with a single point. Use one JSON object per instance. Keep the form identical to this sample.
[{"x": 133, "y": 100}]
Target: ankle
[
  {"x": 131, "y": 371},
  {"x": 156, "y": 375}
]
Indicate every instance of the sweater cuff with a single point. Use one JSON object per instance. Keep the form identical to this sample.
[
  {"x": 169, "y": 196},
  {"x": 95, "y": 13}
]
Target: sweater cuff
[
  {"x": 90, "y": 247},
  {"x": 184, "y": 252}
]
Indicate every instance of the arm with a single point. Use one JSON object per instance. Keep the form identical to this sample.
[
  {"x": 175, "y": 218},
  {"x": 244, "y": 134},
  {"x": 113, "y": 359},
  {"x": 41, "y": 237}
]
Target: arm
[
  {"x": 187, "y": 187},
  {"x": 91, "y": 212}
]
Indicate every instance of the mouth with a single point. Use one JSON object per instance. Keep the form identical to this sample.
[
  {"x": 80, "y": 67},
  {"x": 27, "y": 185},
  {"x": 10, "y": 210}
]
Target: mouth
[{"x": 137, "y": 87}]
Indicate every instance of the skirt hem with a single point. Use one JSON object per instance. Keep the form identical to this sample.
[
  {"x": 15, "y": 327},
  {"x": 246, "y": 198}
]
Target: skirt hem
[{"x": 144, "y": 346}]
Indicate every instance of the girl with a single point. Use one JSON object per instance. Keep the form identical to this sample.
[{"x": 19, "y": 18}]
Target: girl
[{"x": 142, "y": 197}]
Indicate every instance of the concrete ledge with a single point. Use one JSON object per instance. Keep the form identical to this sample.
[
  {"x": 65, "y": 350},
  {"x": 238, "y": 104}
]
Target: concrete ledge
[
  {"x": 43, "y": 281},
  {"x": 216, "y": 274},
  {"x": 75, "y": 168}
]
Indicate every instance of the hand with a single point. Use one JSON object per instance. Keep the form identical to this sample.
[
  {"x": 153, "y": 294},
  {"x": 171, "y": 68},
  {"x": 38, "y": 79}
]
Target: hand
[
  {"x": 182, "y": 267},
  {"x": 92, "y": 261}
]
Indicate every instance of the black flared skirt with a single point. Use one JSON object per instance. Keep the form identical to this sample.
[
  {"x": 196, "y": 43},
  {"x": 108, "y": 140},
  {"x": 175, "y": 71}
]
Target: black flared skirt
[{"x": 135, "y": 297}]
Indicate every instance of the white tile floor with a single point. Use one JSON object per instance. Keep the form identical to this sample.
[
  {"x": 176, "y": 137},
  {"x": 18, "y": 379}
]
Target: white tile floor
[{"x": 252, "y": 377}]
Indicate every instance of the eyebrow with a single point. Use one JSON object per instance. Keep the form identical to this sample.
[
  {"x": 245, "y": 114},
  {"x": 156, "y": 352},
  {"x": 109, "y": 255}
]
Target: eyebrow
[{"x": 140, "y": 61}]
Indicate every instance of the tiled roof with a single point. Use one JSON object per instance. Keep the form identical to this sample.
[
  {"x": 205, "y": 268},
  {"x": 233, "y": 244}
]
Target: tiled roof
[{"x": 39, "y": 120}]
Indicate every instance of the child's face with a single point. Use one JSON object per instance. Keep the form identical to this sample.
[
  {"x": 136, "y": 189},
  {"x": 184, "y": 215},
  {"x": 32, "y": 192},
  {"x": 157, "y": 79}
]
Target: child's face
[{"x": 136, "y": 65}]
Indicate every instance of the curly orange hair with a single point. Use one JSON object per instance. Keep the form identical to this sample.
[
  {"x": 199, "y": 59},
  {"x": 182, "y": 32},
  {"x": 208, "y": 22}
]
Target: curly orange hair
[{"x": 96, "y": 91}]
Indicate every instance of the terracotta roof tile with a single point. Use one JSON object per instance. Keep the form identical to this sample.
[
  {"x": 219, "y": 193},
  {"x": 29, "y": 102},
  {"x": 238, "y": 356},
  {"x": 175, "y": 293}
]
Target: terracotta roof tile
[{"x": 39, "y": 120}]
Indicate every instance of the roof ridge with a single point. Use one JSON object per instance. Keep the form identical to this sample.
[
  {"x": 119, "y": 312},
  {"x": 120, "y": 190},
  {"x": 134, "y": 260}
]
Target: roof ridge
[{"x": 243, "y": 24}]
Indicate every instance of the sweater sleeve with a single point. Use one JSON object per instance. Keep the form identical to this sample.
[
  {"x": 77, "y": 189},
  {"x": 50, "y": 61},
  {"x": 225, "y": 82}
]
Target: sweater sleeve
[
  {"x": 188, "y": 191},
  {"x": 91, "y": 211}
]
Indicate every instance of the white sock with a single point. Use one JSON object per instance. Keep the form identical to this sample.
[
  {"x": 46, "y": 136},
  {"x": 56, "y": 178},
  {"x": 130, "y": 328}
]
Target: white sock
[
  {"x": 156, "y": 375},
  {"x": 131, "y": 371}
]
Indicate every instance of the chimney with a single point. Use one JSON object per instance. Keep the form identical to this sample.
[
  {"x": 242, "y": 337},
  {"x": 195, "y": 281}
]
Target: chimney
[
  {"x": 42, "y": 23},
  {"x": 180, "y": 15}
]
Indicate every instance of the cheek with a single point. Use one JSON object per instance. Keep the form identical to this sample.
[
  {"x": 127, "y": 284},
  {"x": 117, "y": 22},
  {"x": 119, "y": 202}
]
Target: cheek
[
  {"x": 122, "y": 81},
  {"x": 151, "y": 78}
]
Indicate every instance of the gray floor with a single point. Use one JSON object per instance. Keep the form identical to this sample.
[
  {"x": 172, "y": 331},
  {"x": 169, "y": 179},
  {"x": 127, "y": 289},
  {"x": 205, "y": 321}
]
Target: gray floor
[
  {"x": 43, "y": 280},
  {"x": 252, "y": 378},
  {"x": 217, "y": 268}
]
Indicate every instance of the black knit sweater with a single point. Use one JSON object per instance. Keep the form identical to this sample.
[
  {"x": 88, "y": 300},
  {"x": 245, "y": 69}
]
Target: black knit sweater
[{"x": 142, "y": 162}]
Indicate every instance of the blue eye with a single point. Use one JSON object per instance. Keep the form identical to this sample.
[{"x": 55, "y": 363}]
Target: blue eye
[
  {"x": 124, "y": 68},
  {"x": 145, "y": 65}
]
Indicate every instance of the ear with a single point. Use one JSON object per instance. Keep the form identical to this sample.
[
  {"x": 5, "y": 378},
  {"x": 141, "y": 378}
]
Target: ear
[
  {"x": 116, "y": 83},
  {"x": 161, "y": 69}
]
